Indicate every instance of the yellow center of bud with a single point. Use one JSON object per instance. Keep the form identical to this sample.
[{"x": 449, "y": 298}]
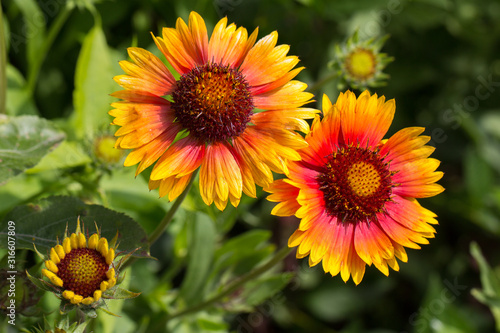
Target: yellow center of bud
[
  {"x": 361, "y": 63},
  {"x": 105, "y": 151}
]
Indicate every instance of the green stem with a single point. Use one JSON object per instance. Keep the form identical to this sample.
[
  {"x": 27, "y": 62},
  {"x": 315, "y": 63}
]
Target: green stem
[
  {"x": 3, "y": 66},
  {"x": 170, "y": 214},
  {"x": 236, "y": 284},
  {"x": 165, "y": 221},
  {"x": 49, "y": 40},
  {"x": 315, "y": 87}
]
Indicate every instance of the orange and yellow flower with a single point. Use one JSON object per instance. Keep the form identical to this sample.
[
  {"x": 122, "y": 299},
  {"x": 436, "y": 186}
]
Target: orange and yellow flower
[
  {"x": 355, "y": 193},
  {"x": 81, "y": 270},
  {"x": 233, "y": 112}
]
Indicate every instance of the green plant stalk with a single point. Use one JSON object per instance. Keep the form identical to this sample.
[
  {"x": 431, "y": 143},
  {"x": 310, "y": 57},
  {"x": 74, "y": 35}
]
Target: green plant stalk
[
  {"x": 170, "y": 214},
  {"x": 315, "y": 87},
  {"x": 235, "y": 285},
  {"x": 3, "y": 66},
  {"x": 49, "y": 40},
  {"x": 165, "y": 221}
]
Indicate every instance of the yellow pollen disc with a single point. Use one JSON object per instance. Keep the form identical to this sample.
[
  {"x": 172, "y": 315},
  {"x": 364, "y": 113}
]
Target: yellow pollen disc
[
  {"x": 361, "y": 63},
  {"x": 83, "y": 268},
  {"x": 364, "y": 179}
]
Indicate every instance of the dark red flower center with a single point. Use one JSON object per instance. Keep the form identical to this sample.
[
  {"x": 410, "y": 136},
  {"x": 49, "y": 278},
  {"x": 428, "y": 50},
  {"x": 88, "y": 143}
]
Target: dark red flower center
[
  {"x": 82, "y": 271},
  {"x": 213, "y": 102},
  {"x": 356, "y": 184}
]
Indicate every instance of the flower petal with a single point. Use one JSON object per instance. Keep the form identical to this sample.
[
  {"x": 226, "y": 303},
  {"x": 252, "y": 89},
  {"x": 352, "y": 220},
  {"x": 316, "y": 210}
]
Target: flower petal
[
  {"x": 147, "y": 73},
  {"x": 365, "y": 120},
  {"x": 371, "y": 243},
  {"x": 151, "y": 151},
  {"x": 180, "y": 159},
  {"x": 286, "y": 195},
  {"x": 417, "y": 179},
  {"x": 289, "y": 96},
  {"x": 219, "y": 176},
  {"x": 228, "y": 45},
  {"x": 172, "y": 186}
]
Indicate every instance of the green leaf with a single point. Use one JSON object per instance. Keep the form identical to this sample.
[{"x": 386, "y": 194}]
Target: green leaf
[
  {"x": 63, "y": 323},
  {"x": 491, "y": 301},
  {"x": 490, "y": 294},
  {"x": 487, "y": 218},
  {"x": 112, "y": 314},
  {"x": 265, "y": 287},
  {"x": 46, "y": 324},
  {"x": 478, "y": 176},
  {"x": 80, "y": 328},
  {"x": 34, "y": 33},
  {"x": 255, "y": 259},
  {"x": 240, "y": 247},
  {"x": 240, "y": 255},
  {"x": 68, "y": 154},
  {"x": 180, "y": 236},
  {"x": 24, "y": 141},
  {"x": 202, "y": 237},
  {"x": 212, "y": 323},
  {"x": 39, "y": 283},
  {"x": 19, "y": 190},
  {"x": 489, "y": 280},
  {"x": 90, "y": 312},
  {"x": 120, "y": 293},
  {"x": 45, "y": 222},
  {"x": 490, "y": 151},
  {"x": 93, "y": 84},
  {"x": 490, "y": 122},
  {"x": 19, "y": 99}
]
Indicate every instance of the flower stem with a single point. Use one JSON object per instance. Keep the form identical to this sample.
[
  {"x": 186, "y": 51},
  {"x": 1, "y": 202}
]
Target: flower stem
[
  {"x": 315, "y": 87},
  {"x": 170, "y": 214},
  {"x": 165, "y": 221},
  {"x": 44, "y": 49},
  {"x": 235, "y": 285}
]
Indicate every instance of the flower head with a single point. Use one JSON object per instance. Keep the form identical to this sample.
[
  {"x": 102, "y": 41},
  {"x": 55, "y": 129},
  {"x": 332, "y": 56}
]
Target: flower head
[
  {"x": 103, "y": 148},
  {"x": 360, "y": 64},
  {"x": 233, "y": 112},
  {"x": 355, "y": 193},
  {"x": 81, "y": 270}
]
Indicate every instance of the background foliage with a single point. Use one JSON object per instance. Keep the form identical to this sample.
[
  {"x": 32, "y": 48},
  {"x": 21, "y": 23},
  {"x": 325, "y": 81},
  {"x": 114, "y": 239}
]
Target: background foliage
[{"x": 56, "y": 74}]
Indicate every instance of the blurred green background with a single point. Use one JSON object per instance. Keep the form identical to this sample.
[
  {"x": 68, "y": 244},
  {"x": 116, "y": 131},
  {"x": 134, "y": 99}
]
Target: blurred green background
[{"x": 445, "y": 76}]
